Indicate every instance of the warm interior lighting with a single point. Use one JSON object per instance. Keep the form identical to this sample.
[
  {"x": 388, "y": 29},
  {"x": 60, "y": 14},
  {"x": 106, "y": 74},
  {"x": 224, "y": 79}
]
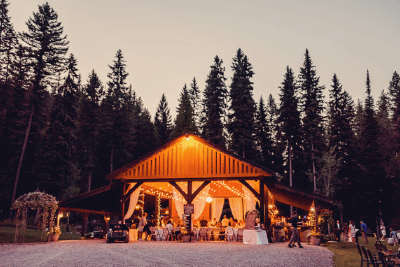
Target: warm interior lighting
[
  {"x": 276, "y": 211},
  {"x": 209, "y": 199},
  {"x": 312, "y": 208},
  {"x": 270, "y": 206},
  {"x": 137, "y": 207}
]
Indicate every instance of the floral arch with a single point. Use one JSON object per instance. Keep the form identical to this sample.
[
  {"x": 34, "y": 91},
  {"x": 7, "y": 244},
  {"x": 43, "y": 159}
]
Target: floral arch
[{"x": 46, "y": 206}]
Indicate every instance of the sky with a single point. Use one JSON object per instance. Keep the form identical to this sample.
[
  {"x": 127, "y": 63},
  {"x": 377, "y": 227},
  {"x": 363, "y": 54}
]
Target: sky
[{"x": 167, "y": 43}]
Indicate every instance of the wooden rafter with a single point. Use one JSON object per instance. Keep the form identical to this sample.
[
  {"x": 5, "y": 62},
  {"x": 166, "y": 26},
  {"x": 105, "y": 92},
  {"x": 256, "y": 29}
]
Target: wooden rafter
[
  {"x": 257, "y": 195},
  {"x": 177, "y": 187},
  {"x": 129, "y": 193}
]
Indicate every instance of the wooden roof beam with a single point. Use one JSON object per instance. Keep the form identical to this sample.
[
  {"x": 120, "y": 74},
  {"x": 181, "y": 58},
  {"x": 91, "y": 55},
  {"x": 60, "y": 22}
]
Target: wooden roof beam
[
  {"x": 177, "y": 187},
  {"x": 127, "y": 195},
  {"x": 200, "y": 188},
  {"x": 257, "y": 195}
]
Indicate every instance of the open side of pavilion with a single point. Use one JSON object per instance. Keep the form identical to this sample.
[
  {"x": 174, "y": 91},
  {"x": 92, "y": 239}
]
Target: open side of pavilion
[{"x": 189, "y": 170}]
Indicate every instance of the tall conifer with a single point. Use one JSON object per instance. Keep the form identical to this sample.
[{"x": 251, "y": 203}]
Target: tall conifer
[
  {"x": 312, "y": 103},
  {"x": 242, "y": 108},
  {"x": 214, "y": 105}
]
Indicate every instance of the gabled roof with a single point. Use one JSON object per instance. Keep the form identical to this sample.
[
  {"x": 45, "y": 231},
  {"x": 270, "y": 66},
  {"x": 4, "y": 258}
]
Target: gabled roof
[{"x": 189, "y": 157}]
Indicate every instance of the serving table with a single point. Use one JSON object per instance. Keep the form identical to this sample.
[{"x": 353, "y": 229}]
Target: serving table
[{"x": 255, "y": 237}]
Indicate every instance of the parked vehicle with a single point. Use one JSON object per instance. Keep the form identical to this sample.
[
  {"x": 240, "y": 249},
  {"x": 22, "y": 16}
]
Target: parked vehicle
[{"x": 118, "y": 232}]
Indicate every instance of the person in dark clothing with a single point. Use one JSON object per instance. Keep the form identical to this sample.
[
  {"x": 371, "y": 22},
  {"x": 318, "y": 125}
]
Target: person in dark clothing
[
  {"x": 203, "y": 222},
  {"x": 337, "y": 230},
  {"x": 147, "y": 228},
  {"x": 295, "y": 233}
]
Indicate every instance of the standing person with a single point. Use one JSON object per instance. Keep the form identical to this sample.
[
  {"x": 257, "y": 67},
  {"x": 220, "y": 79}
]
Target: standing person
[
  {"x": 352, "y": 232},
  {"x": 295, "y": 234},
  {"x": 364, "y": 231},
  {"x": 383, "y": 231},
  {"x": 225, "y": 221},
  {"x": 337, "y": 230},
  {"x": 142, "y": 223}
]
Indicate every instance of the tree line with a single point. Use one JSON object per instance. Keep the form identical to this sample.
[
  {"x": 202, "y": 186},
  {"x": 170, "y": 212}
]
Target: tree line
[{"x": 63, "y": 135}]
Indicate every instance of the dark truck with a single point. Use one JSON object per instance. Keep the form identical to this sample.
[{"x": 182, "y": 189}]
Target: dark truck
[{"x": 118, "y": 232}]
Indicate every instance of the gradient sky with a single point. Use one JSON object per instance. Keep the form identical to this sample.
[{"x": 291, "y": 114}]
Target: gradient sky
[{"x": 167, "y": 43}]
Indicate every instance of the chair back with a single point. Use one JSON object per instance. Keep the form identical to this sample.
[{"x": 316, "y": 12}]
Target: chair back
[
  {"x": 364, "y": 251},
  {"x": 229, "y": 230},
  {"x": 203, "y": 231},
  {"x": 371, "y": 257},
  {"x": 382, "y": 258},
  {"x": 359, "y": 249},
  {"x": 153, "y": 230},
  {"x": 380, "y": 247},
  {"x": 240, "y": 231}
]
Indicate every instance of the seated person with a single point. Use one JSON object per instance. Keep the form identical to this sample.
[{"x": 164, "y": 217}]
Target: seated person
[
  {"x": 203, "y": 222},
  {"x": 225, "y": 221},
  {"x": 213, "y": 222},
  {"x": 232, "y": 223},
  {"x": 241, "y": 224}
]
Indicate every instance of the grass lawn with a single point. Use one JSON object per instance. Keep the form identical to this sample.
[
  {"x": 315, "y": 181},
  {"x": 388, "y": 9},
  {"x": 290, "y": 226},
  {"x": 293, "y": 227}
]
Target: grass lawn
[
  {"x": 7, "y": 235},
  {"x": 346, "y": 254}
]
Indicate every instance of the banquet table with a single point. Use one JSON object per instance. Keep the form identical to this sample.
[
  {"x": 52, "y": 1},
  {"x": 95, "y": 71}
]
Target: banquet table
[
  {"x": 255, "y": 237},
  {"x": 133, "y": 234}
]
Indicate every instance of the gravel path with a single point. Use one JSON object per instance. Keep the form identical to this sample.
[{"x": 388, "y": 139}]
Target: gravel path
[{"x": 143, "y": 253}]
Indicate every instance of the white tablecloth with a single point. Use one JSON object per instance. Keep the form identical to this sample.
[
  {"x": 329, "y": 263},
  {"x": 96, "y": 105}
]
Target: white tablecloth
[
  {"x": 133, "y": 234},
  {"x": 253, "y": 237}
]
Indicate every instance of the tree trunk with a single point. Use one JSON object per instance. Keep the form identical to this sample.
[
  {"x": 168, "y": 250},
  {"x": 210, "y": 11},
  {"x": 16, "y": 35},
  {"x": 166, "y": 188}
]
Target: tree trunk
[
  {"x": 290, "y": 172},
  {"x": 91, "y": 171},
  {"x": 28, "y": 129},
  {"x": 313, "y": 164}
]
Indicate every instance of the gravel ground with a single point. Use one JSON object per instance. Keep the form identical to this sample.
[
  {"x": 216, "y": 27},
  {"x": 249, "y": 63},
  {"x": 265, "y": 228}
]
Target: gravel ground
[{"x": 157, "y": 253}]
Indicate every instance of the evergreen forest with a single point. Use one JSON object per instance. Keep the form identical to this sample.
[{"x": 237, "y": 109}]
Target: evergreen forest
[{"x": 62, "y": 133}]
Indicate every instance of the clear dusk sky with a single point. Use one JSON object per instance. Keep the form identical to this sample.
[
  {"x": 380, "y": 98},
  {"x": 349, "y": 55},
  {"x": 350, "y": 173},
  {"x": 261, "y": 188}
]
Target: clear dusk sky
[{"x": 168, "y": 42}]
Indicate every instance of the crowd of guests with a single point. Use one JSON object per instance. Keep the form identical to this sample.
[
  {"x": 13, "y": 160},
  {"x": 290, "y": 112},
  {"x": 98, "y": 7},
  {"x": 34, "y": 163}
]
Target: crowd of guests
[
  {"x": 225, "y": 222},
  {"x": 144, "y": 223}
]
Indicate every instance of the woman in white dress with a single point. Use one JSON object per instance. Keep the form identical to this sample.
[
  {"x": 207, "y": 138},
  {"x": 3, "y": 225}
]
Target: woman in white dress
[
  {"x": 383, "y": 231},
  {"x": 352, "y": 232}
]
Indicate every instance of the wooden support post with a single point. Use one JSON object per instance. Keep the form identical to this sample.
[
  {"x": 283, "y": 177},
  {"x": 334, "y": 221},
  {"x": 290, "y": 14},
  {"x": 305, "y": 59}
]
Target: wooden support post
[
  {"x": 85, "y": 216},
  {"x": 266, "y": 203},
  {"x": 122, "y": 203},
  {"x": 262, "y": 202},
  {"x": 189, "y": 194},
  {"x": 157, "y": 211}
]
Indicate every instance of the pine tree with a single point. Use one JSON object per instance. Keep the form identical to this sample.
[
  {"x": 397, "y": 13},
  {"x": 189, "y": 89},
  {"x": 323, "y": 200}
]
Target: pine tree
[
  {"x": 163, "y": 121},
  {"x": 184, "y": 122},
  {"x": 89, "y": 126},
  {"x": 8, "y": 45},
  {"x": 243, "y": 108},
  {"x": 58, "y": 167},
  {"x": 48, "y": 48},
  {"x": 312, "y": 103},
  {"x": 263, "y": 137},
  {"x": 370, "y": 159},
  {"x": 194, "y": 95},
  {"x": 289, "y": 131},
  {"x": 394, "y": 92},
  {"x": 118, "y": 132},
  {"x": 214, "y": 105}
]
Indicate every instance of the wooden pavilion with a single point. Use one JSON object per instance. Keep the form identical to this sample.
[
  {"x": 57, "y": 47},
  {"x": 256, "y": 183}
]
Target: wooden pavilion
[{"x": 186, "y": 170}]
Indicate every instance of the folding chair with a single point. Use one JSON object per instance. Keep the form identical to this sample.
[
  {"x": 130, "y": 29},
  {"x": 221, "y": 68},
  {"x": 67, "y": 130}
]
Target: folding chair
[
  {"x": 363, "y": 257},
  {"x": 229, "y": 234}
]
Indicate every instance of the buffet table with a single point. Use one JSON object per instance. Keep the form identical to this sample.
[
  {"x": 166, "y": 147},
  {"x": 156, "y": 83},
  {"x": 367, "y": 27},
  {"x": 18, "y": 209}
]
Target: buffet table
[{"x": 255, "y": 237}]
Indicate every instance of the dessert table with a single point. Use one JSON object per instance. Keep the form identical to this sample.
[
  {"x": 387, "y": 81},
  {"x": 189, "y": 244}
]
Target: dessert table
[{"x": 255, "y": 237}]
